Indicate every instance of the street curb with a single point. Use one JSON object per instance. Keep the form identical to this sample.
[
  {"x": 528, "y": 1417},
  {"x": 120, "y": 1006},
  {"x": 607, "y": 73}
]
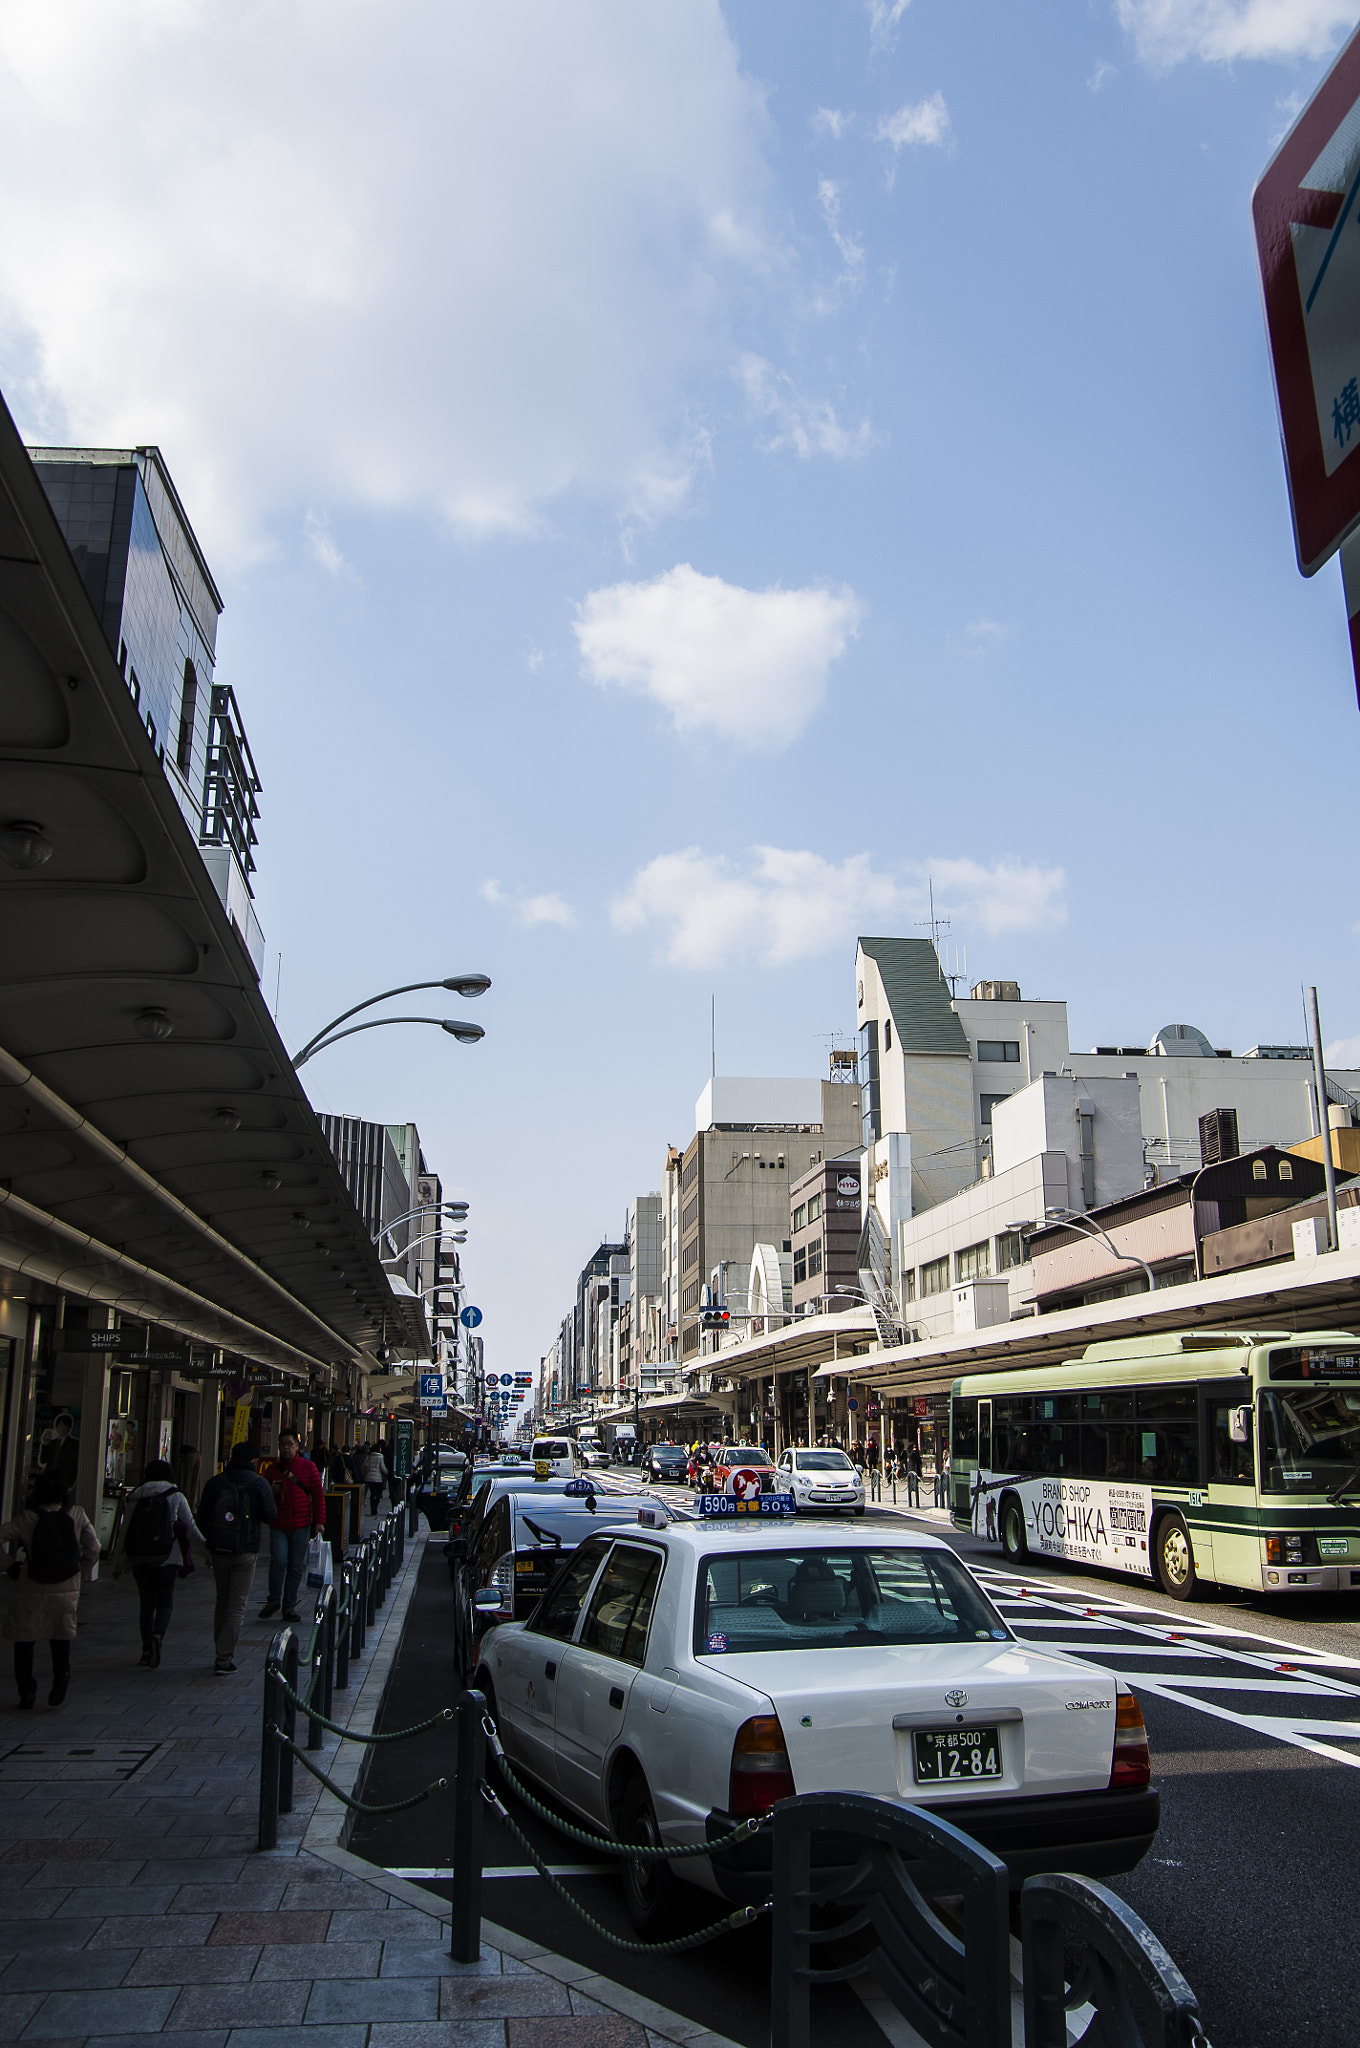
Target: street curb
[{"x": 331, "y": 1823}]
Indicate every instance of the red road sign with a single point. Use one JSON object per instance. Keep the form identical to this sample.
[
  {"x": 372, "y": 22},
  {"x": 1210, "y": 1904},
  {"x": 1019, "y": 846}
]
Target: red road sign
[{"x": 1307, "y": 215}]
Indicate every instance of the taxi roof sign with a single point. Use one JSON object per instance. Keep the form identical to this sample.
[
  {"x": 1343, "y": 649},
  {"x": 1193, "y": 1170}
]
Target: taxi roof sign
[
  {"x": 1306, "y": 211},
  {"x": 729, "y": 1507}
]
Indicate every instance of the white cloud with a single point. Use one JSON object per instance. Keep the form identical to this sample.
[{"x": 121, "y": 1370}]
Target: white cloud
[
  {"x": 849, "y": 250},
  {"x": 807, "y": 425},
  {"x": 830, "y": 121},
  {"x": 1165, "y": 32},
  {"x": 321, "y": 545},
  {"x": 418, "y": 254},
  {"x": 982, "y": 635},
  {"x": 528, "y": 911},
  {"x": 781, "y": 905},
  {"x": 884, "y": 16},
  {"x": 749, "y": 665},
  {"x": 1101, "y": 76},
  {"x": 1343, "y": 1052},
  {"x": 926, "y": 125},
  {"x": 1009, "y": 896}
]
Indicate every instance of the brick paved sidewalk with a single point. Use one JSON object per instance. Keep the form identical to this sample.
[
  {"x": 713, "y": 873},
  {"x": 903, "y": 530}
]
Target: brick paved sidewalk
[{"x": 135, "y": 1905}]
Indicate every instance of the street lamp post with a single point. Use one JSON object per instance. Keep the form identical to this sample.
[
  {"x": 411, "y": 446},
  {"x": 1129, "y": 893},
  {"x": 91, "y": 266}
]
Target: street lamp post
[
  {"x": 1073, "y": 1219},
  {"x": 466, "y": 985}
]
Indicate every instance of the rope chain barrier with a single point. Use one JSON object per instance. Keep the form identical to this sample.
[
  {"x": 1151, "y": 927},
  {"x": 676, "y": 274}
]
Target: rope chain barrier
[
  {"x": 742, "y": 1917},
  {"x": 610, "y": 1844},
  {"x": 355, "y": 1805},
  {"x": 348, "y": 1734}
]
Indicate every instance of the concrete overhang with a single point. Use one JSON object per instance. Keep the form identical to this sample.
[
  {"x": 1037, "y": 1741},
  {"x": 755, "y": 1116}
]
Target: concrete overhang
[
  {"x": 1295, "y": 1295},
  {"x": 136, "y": 1167},
  {"x": 793, "y": 1348}
]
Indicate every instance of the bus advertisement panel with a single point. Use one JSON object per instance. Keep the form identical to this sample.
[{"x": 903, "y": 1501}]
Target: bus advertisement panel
[{"x": 1090, "y": 1521}]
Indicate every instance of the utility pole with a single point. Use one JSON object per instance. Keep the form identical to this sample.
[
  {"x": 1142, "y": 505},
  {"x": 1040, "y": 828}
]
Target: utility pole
[{"x": 1320, "y": 1082}]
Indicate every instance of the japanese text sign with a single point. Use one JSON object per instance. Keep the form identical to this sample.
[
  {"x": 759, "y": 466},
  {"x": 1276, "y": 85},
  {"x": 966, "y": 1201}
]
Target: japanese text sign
[{"x": 1306, "y": 211}]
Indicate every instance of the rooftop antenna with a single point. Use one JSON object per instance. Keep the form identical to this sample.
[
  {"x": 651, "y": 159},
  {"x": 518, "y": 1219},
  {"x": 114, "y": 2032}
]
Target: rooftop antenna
[
  {"x": 935, "y": 925},
  {"x": 955, "y": 974}
]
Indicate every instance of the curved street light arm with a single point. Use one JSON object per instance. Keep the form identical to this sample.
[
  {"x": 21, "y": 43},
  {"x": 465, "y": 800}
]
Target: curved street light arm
[
  {"x": 376, "y": 1024},
  {"x": 408, "y": 988},
  {"x": 423, "y": 1209},
  {"x": 1096, "y": 1235}
]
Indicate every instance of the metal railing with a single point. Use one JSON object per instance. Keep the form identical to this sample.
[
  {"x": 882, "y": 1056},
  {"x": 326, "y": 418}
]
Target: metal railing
[
  {"x": 296, "y": 1682},
  {"x": 845, "y": 1891}
]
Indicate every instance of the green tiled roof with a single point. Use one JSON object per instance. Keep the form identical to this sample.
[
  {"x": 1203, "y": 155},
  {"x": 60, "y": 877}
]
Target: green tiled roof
[{"x": 918, "y": 995}]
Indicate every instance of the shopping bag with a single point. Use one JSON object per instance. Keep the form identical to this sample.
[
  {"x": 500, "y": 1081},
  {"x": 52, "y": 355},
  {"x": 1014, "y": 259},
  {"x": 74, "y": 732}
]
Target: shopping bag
[{"x": 319, "y": 1567}]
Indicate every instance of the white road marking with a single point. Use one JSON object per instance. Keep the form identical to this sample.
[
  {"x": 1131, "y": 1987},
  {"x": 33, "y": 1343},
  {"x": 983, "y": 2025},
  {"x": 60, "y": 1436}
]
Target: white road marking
[
  {"x": 1264, "y": 1664},
  {"x": 445, "y": 1870}
]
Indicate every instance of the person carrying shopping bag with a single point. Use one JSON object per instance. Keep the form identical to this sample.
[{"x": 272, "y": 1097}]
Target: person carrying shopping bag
[
  {"x": 59, "y": 1543},
  {"x": 300, "y": 1515},
  {"x": 158, "y": 1525}
]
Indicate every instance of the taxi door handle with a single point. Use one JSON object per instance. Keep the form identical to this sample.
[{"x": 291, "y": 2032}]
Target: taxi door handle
[
  {"x": 550, "y": 1671},
  {"x": 616, "y": 1696}
]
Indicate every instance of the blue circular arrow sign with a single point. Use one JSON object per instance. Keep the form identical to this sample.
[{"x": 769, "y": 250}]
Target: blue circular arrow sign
[{"x": 470, "y": 1317}]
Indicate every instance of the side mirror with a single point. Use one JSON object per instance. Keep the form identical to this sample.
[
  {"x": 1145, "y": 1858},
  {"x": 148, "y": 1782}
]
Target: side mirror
[
  {"x": 1239, "y": 1425},
  {"x": 486, "y": 1600}
]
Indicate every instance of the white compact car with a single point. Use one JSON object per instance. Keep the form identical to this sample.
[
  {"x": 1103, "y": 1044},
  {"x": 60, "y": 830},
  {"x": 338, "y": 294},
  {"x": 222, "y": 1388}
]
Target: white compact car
[
  {"x": 561, "y": 1455},
  {"x": 821, "y": 1479},
  {"x": 674, "y": 1681}
]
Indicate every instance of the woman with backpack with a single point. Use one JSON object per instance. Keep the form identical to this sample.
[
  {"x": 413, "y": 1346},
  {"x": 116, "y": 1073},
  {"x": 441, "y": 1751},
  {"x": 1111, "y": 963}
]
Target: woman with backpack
[
  {"x": 58, "y": 1539},
  {"x": 375, "y": 1476},
  {"x": 158, "y": 1522}
]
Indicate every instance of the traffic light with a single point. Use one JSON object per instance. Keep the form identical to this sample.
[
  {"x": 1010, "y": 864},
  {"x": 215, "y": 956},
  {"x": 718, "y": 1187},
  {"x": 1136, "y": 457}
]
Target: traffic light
[{"x": 715, "y": 1319}]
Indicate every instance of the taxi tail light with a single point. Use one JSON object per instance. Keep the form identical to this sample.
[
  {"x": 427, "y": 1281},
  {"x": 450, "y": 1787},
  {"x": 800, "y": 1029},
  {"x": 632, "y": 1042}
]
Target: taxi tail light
[
  {"x": 1131, "y": 1768},
  {"x": 761, "y": 1772}
]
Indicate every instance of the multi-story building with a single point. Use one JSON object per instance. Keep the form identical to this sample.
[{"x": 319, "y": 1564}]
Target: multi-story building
[
  {"x": 639, "y": 1366},
  {"x": 824, "y": 1234},
  {"x": 159, "y": 607},
  {"x": 752, "y": 1138},
  {"x": 668, "y": 1331}
]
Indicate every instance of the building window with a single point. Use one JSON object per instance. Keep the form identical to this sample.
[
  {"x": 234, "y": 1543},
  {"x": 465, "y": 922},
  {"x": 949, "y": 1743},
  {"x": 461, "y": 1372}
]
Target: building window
[
  {"x": 989, "y": 1103},
  {"x": 935, "y": 1277},
  {"x": 188, "y": 704},
  {"x": 814, "y": 1258},
  {"x": 691, "y": 1257},
  {"x": 870, "y": 1129},
  {"x": 999, "y": 1051},
  {"x": 800, "y": 1264},
  {"x": 974, "y": 1262},
  {"x": 1010, "y": 1251},
  {"x": 814, "y": 1208},
  {"x": 691, "y": 1214},
  {"x": 689, "y": 1299},
  {"x": 1258, "y": 1169},
  {"x": 909, "y": 1284},
  {"x": 887, "y": 1034},
  {"x": 1286, "y": 1170},
  {"x": 800, "y": 1216}
]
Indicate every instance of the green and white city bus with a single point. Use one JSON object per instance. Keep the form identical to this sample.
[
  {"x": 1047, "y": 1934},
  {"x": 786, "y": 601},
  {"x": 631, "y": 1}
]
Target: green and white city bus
[{"x": 1226, "y": 1456}]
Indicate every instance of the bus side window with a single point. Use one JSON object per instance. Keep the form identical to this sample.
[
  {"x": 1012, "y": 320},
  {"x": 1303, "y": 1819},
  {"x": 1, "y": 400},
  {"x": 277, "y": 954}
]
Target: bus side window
[
  {"x": 1229, "y": 1463},
  {"x": 963, "y": 1428}
]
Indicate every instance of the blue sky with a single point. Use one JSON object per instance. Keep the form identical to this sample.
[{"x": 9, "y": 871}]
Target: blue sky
[{"x": 681, "y": 478}]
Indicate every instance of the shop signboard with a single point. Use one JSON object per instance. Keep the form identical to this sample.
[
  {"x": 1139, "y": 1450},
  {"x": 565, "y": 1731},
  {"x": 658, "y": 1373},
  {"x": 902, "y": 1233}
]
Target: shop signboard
[{"x": 401, "y": 1450}]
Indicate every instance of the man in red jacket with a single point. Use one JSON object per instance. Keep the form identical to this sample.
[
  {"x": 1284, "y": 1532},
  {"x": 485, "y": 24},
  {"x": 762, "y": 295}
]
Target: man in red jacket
[{"x": 301, "y": 1515}]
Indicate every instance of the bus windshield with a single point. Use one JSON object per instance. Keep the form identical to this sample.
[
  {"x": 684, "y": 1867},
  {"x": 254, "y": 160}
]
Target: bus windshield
[{"x": 1310, "y": 1439}]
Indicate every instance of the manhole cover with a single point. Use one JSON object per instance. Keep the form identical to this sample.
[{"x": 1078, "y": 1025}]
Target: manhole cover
[{"x": 33, "y": 1763}]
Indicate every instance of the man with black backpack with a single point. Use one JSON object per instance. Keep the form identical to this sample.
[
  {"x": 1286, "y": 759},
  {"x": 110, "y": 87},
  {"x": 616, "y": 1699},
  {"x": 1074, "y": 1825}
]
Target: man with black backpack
[{"x": 231, "y": 1508}]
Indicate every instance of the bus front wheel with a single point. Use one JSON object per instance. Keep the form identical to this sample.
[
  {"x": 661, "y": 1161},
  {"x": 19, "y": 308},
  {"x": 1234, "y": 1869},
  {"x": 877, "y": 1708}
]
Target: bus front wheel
[
  {"x": 1175, "y": 1559},
  {"x": 1013, "y": 1542}
]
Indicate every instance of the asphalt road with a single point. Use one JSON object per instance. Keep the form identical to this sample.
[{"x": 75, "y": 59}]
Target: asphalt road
[{"x": 1253, "y": 1714}]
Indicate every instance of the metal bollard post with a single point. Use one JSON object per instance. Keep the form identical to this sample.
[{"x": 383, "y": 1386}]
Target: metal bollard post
[
  {"x": 267, "y": 1836},
  {"x": 371, "y": 1591},
  {"x": 360, "y": 1607},
  {"x": 328, "y": 1655},
  {"x": 288, "y": 1720},
  {"x": 465, "y": 1945},
  {"x": 316, "y": 1673},
  {"x": 343, "y": 1612}
]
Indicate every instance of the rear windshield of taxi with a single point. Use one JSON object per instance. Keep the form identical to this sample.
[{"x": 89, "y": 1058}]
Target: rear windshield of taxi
[
  {"x": 552, "y": 1450},
  {"x": 806, "y": 1599}
]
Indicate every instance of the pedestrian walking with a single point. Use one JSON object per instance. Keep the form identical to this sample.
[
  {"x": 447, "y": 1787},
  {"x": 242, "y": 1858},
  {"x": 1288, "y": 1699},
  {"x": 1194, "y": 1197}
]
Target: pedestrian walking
[
  {"x": 59, "y": 1541},
  {"x": 300, "y": 1515},
  {"x": 234, "y": 1504},
  {"x": 914, "y": 1477},
  {"x": 158, "y": 1526},
  {"x": 375, "y": 1477}
]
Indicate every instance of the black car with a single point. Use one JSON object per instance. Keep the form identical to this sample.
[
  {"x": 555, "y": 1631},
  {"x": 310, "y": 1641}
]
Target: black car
[
  {"x": 515, "y": 1547},
  {"x": 666, "y": 1461}
]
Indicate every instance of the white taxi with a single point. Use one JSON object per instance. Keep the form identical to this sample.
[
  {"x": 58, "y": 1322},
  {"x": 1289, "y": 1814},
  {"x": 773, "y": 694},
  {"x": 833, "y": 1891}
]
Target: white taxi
[
  {"x": 822, "y": 1478},
  {"x": 675, "y": 1680}
]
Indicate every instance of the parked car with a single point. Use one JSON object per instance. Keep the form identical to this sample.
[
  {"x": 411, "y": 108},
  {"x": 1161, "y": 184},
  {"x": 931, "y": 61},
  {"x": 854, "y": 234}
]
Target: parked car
[
  {"x": 522, "y": 1539},
  {"x": 666, "y": 1461},
  {"x": 823, "y": 1478},
  {"x": 594, "y": 1454},
  {"x": 671, "y": 1682}
]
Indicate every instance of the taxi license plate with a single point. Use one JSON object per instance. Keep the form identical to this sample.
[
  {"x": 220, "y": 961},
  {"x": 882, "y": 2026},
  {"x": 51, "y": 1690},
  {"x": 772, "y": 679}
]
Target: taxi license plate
[{"x": 946, "y": 1756}]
